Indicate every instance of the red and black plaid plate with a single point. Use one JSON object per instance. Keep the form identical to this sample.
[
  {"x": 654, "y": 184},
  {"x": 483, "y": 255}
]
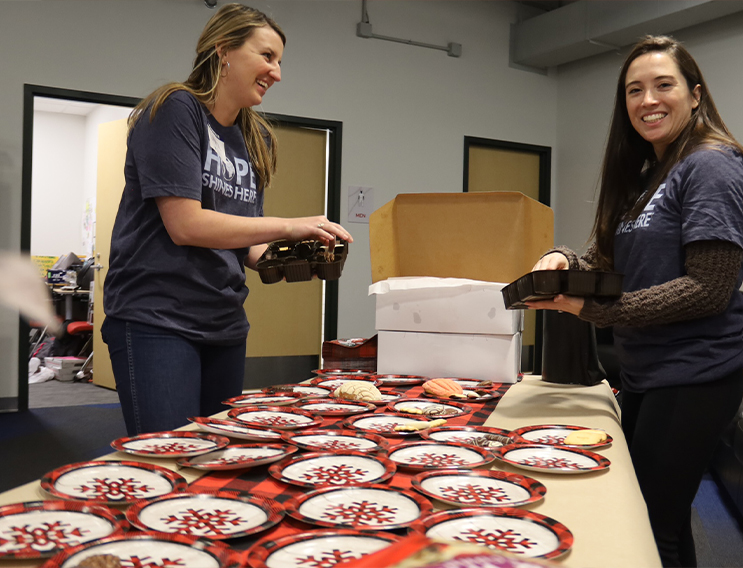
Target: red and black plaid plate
[
  {"x": 213, "y": 515},
  {"x": 479, "y": 488},
  {"x": 241, "y": 456},
  {"x": 322, "y": 548},
  {"x": 424, "y": 456},
  {"x": 509, "y": 529},
  {"x": 150, "y": 549},
  {"x": 321, "y": 469},
  {"x": 175, "y": 444},
  {"x": 368, "y": 508},
  {"x": 551, "y": 459},
  {"x": 274, "y": 417},
  {"x": 111, "y": 482},
  {"x": 554, "y": 435},
  {"x": 335, "y": 440},
  {"x": 39, "y": 529}
]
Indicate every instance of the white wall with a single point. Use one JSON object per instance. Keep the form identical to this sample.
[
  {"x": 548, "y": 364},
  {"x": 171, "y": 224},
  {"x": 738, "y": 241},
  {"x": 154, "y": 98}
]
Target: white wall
[
  {"x": 405, "y": 109},
  {"x": 57, "y": 184},
  {"x": 585, "y": 102}
]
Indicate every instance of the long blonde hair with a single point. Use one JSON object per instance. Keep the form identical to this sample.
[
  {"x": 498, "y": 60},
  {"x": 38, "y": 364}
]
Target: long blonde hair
[{"x": 230, "y": 26}]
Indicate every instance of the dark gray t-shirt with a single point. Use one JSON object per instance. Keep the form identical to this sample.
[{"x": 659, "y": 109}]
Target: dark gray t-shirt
[
  {"x": 193, "y": 291},
  {"x": 700, "y": 200}
]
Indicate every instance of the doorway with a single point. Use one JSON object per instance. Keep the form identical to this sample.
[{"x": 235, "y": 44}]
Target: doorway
[
  {"x": 331, "y": 132},
  {"x": 498, "y": 165}
]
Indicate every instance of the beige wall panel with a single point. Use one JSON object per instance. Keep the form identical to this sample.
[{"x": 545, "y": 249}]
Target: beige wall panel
[
  {"x": 111, "y": 158},
  {"x": 286, "y": 318},
  {"x": 493, "y": 169}
]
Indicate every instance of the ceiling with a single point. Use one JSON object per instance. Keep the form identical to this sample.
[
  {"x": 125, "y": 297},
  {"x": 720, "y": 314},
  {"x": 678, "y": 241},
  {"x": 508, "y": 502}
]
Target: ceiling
[{"x": 568, "y": 31}]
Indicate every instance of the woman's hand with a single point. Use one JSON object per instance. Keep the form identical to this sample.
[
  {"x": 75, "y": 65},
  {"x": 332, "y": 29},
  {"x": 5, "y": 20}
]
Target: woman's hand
[
  {"x": 571, "y": 304},
  {"x": 317, "y": 228},
  {"x": 552, "y": 261}
]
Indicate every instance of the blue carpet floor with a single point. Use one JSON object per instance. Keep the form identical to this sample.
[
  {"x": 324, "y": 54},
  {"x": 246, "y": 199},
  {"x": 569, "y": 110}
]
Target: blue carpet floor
[{"x": 35, "y": 442}]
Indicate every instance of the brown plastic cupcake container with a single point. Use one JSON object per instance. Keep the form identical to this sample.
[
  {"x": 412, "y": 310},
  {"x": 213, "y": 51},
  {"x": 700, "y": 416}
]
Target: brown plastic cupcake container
[{"x": 545, "y": 284}]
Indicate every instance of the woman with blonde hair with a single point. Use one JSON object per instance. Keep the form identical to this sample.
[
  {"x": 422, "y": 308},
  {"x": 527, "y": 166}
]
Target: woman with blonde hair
[
  {"x": 670, "y": 218},
  {"x": 191, "y": 217}
]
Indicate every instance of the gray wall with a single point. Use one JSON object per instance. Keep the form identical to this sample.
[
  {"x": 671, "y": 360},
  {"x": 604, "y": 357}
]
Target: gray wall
[{"x": 405, "y": 109}]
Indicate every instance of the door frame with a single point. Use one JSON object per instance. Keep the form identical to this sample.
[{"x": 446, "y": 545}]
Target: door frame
[
  {"x": 30, "y": 91},
  {"x": 545, "y": 188}
]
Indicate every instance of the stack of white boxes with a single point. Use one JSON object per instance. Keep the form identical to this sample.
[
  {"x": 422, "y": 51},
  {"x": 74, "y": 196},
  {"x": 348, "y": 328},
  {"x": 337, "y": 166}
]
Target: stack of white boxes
[
  {"x": 65, "y": 368},
  {"x": 446, "y": 327}
]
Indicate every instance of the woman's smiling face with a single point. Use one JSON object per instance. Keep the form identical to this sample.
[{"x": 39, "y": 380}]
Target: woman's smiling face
[{"x": 659, "y": 102}]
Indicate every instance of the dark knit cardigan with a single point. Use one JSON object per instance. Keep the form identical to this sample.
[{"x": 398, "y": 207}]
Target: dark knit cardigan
[{"x": 711, "y": 275}]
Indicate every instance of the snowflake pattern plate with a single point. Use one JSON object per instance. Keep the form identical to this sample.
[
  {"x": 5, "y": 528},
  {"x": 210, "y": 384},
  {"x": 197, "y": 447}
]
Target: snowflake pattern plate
[
  {"x": 336, "y": 440},
  {"x": 509, "y": 529},
  {"x": 429, "y": 408},
  {"x": 471, "y": 395},
  {"x": 551, "y": 459},
  {"x": 317, "y": 549},
  {"x": 170, "y": 444},
  {"x": 554, "y": 435},
  {"x": 387, "y": 397},
  {"x": 423, "y": 456},
  {"x": 266, "y": 399},
  {"x": 479, "y": 488},
  {"x": 274, "y": 417},
  {"x": 372, "y": 507},
  {"x": 149, "y": 550},
  {"x": 336, "y": 407},
  {"x": 472, "y": 383},
  {"x": 39, "y": 529},
  {"x": 320, "y": 469},
  {"x": 111, "y": 482},
  {"x": 383, "y": 424},
  {"x": 334, "y": 372},
  {"x": 481, "y": 436},
  {"x": 332, "y": 382},
  {"x": 307, "y": 390},
  {"x": 216, "y": 515},
  {"x": 234, "y": 429},
  {"x": 399, "y": 380},
  {"x": 241, "y": 456}
]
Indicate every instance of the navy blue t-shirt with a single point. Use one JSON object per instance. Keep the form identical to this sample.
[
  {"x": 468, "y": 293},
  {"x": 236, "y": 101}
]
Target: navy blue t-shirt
[
  {"x": 700, "y": 200},
  {"x": 193, "y": 291}
]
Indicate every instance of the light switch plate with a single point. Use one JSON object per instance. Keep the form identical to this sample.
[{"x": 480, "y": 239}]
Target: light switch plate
[{"x": 360, "y": 203}]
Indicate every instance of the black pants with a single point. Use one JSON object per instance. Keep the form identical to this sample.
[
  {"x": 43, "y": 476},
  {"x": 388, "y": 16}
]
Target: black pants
[{"x": 672, "y": 433}]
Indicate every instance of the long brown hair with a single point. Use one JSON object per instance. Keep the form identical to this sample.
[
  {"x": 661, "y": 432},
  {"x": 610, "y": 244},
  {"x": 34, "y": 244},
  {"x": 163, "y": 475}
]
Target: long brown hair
[
  {"x": 230, "y": 26},
  {"x": 630, "y": 165}
]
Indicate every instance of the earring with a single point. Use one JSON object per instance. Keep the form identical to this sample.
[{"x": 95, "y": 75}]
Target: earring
[{"x": 225, "y": 70}]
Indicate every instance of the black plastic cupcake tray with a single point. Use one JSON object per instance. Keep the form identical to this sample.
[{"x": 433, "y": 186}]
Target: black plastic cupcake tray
[
  {"x": 299, "y": 261},
  {"x": 546, "y": 284}
]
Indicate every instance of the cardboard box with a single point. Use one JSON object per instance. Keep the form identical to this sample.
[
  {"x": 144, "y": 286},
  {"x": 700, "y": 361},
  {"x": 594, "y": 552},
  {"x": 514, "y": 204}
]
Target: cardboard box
[
  {"x": 495, "y": 236},
  {"x": 452, "y": 305},
  {"x": 468, "y": 356}
]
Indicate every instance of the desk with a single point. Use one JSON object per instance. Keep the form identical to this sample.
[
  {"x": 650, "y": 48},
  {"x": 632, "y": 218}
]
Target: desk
[
  {"x": 68, "y": 293},
  {"x": 604, "y": 510}
]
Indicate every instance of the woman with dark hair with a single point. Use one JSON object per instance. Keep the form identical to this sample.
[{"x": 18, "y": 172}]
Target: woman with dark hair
[
  {"x": 670, "y": 218},
  {"x": 191, "y": 217}
]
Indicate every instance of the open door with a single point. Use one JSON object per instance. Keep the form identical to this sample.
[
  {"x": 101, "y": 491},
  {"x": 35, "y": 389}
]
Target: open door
[
  {"x": 111, "y": 158},
  {"x": 286, "y": 319}
]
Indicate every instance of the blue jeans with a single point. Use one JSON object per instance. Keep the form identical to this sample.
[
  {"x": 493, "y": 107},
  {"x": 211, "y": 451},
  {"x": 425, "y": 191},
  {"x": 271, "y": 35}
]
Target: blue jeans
[{"x": 163, "y": 379}]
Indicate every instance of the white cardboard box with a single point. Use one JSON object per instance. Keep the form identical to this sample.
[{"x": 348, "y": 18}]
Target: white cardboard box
[
  {"x": 472, "y": 356},
  {"x": 450, "y": 305}
]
